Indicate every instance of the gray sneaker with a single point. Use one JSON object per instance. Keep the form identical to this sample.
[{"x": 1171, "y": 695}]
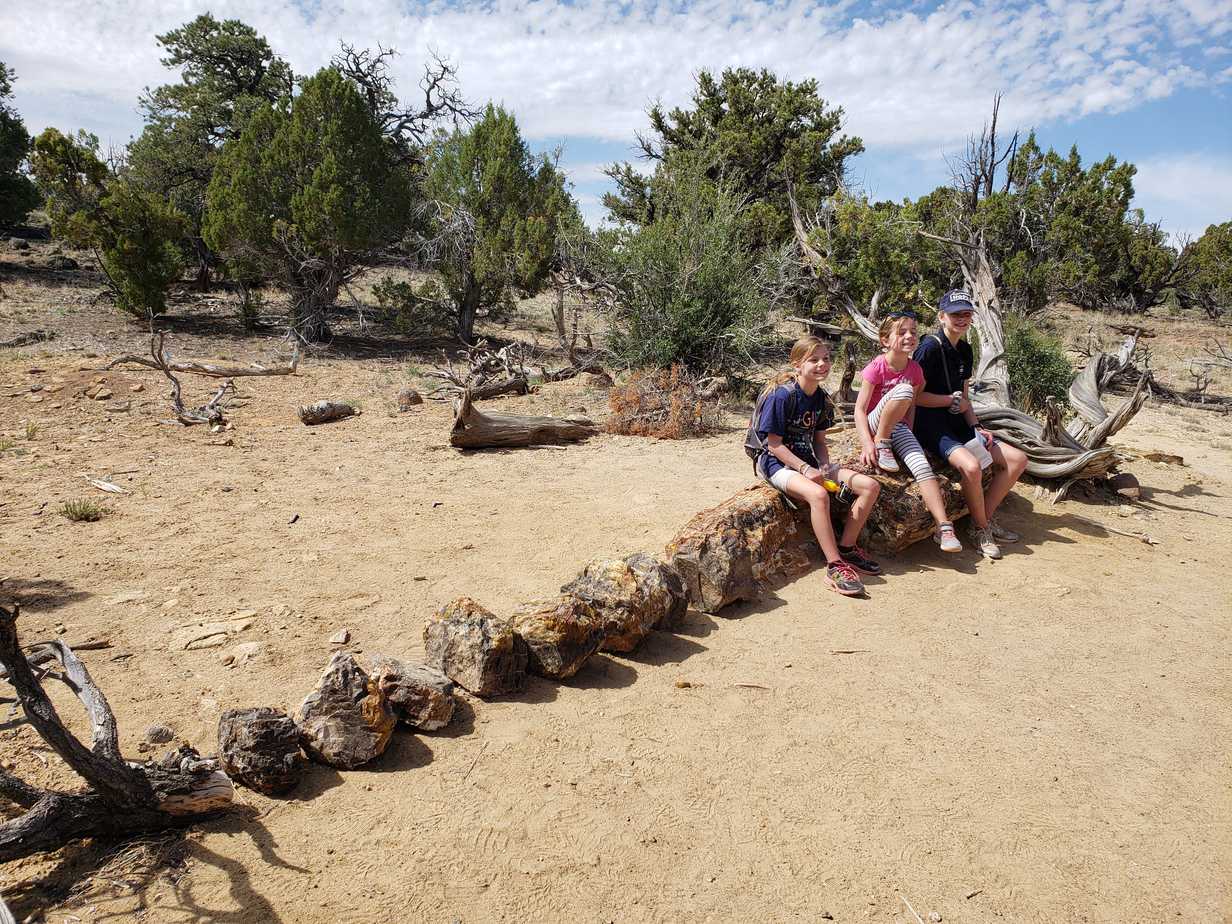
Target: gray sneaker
[
  {"x": 1002, "y": 533},
  {"x": 946, "y": 538},
  {"x": 984, "y": 542}
]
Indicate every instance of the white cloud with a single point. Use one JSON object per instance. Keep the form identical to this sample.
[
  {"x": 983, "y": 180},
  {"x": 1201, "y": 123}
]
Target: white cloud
[
  {"x": 590, "y": 68},
  {"x": 1185, "y": 192}
]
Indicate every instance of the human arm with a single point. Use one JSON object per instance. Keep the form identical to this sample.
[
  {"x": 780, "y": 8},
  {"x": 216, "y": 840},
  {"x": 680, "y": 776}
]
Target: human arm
[{"x": 781, "y": 451}]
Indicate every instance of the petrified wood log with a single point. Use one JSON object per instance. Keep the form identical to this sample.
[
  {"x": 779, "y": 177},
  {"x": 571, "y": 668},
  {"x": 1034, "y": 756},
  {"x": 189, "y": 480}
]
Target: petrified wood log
[
  {"x": 346, "y": 721},
  {"x": 726, "y": 553},
  {"x": 325, "y": 411},
  {"x": 473, "y": 429},
  {"x": 560, "y": 636},
  {"x": 420, "y": 696},
  {"x": 631, "y": 596},
  {"x": 259, "y": 748},
  {"x": 476, "y": 649}
]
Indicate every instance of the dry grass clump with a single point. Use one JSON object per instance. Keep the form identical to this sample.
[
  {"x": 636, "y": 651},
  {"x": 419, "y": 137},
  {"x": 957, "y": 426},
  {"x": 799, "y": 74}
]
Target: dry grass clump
[
  {"x": 83, "y": 511},
  {"x": 663, "y": 403}
]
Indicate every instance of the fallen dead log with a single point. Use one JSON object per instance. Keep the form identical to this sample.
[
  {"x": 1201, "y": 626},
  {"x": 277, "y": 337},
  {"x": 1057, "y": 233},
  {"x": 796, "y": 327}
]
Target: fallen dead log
[
  {"x": 123, "y": 798},
  {"x": 33, "y": 336},
  {"x": 325, "y": 411},
  {"x": 472, "y": 429},
  {"x": 215, "y": 369}
]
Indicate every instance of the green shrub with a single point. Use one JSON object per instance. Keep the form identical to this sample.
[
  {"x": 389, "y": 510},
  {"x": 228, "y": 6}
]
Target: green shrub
[
  {"x": 423, "y": 309},
  {"x": 687, "y": 284},
  {"x": 1037, "y": 365}
]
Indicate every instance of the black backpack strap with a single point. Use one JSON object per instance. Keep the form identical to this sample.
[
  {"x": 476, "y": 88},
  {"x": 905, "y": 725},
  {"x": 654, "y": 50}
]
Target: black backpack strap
[{"x": 945, "y": 366}]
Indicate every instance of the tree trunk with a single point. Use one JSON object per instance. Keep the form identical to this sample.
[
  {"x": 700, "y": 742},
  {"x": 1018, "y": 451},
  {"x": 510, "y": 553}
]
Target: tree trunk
[
  {"x": 468, "y": 310},
  {"x": 475, "y": 430},
  {"x": 991, "y": 382}
]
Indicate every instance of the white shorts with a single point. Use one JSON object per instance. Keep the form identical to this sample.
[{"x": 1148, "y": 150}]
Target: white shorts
[{"x": 780, "y": 478}]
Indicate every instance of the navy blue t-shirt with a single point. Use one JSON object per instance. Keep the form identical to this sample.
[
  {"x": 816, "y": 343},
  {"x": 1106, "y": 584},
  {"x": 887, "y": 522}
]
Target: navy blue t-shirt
[
  {"x": 796, "y": 417},
  {"x": 938, "y": 359}
]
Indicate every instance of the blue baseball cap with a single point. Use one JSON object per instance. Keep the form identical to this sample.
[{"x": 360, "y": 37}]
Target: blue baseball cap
[{"x": 956, "y": 300}]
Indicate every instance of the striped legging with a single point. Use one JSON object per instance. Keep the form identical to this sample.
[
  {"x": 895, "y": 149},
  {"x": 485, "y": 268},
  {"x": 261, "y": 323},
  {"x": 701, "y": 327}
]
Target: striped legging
[{"x": 906, "y": 446}]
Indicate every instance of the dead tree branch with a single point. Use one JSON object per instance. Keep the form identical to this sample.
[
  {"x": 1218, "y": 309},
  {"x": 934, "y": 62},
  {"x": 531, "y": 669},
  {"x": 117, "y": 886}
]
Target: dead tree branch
[{"x": 123, "y": 798}]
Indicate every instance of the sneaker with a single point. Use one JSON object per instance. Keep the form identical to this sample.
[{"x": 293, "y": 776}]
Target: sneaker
[
  {"x": 858, "y": 559},
  {"x": 985, "y": 542},
  {"x": 843, "y": 578},
  {"x": 947, "y": 538},
  {"x": 1002, "y": 533},
  {"x": 885, "y": 457}
]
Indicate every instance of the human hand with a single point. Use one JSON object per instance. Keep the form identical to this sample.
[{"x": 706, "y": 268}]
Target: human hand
[{"x": 868, "y": 454}]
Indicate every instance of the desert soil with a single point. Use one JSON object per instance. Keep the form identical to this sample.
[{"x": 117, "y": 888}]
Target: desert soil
[{"x": 1042, "y": 738}]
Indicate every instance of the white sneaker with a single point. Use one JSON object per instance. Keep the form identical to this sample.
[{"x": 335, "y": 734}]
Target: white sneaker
[{"x": 984, "y": 542}]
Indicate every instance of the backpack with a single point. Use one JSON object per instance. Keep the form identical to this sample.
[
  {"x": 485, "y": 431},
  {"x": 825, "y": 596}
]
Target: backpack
[{"x": 754, "y": 445}]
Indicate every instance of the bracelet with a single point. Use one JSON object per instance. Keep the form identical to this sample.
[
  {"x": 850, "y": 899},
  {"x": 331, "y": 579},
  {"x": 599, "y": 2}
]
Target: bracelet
[{"x": 804, "y": 466}]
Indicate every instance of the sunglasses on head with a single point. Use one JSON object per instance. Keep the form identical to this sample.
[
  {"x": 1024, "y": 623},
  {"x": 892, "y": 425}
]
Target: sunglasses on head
[{"x": 903, "y": 313}]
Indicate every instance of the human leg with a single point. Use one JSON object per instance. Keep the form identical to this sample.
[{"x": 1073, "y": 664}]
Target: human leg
[
  {"x": 866, "y": 490},
  {"x": 912, "y": 454},
  {"x": 1011, "y": 462},
  {"x": 890, "y": 410},
  {"x": 839, "y": 574},
  {"x": 969, "y": 469}
]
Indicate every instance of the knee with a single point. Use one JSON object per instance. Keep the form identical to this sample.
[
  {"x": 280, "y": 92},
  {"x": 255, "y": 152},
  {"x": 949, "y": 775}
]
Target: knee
[
  {"x": 903, "y": 391},
  {"x": 1017, "y": 463},
  {"x": 969, "y": 470},
  {"x": 818, "y": 497}
]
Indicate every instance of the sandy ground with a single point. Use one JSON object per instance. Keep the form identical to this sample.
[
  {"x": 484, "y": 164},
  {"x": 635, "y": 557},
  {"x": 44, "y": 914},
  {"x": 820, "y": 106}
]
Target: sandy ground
[{"x": 1037, "y": 739}]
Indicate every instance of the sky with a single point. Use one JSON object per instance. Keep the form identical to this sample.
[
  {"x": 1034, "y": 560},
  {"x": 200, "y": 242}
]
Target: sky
[{"x": 1149, "y": 81}]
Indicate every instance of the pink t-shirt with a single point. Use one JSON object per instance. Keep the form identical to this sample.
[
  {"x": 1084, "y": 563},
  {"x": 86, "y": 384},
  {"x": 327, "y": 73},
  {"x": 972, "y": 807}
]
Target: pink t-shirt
[{"x": 883, "y": 377}]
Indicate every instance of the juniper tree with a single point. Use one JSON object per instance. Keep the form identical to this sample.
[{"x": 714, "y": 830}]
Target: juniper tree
[
  {"x": 227, "y": 70},
  {"x": 133, "y": 231},
  {"x": 17, "y": 194},
  {"x": 306, "y": 193},
  {"x": 496, "y": 209}
]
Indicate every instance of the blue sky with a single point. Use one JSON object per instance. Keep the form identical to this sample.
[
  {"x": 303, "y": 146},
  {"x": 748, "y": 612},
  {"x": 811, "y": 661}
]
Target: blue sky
[{"x": 1147, "y": 80}]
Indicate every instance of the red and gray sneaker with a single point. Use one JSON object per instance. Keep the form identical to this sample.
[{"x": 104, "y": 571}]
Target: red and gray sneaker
[
  {"x": 843, "y": 579},
  {"x": 858, "y": 559}
]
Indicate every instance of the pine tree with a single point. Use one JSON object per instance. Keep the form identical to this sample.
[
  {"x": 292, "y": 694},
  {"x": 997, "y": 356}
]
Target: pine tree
[{"x": 17, "y": 194}]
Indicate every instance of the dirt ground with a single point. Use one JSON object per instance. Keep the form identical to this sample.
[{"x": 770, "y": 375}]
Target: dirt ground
[{"x": 1042, "y": 738}]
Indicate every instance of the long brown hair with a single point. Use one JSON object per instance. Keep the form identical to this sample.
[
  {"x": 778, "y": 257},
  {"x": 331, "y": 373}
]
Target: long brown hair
[{"x": 800, "y": 350}]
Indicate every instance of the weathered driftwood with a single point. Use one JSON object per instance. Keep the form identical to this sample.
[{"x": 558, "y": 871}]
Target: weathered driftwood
[
  {"x": 473, "y": 429},
  {"x": 346, "y": 721},
  {"x": 325, "y": 411},
  {"x": 219, "y": 370},
  {"x": 630, "y": 597},
  {"x": 260, "y": 748},
  {"x": 123, "y": 798},
  {"x": 475, "y": 649},
  {"x": 33, "y": 336},
  {"x": 560, "y": 636},
  {"x": 420, "y": 696}
]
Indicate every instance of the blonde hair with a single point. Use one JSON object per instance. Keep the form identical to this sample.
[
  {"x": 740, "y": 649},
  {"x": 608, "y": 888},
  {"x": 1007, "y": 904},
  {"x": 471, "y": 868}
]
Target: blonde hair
[{"x": 800, "y": 350}]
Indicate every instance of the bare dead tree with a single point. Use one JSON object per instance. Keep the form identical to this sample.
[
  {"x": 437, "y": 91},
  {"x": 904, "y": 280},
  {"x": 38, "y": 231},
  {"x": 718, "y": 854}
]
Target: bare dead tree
[
  {"x": 410, "y": 127},
  {"x": 122, "y": 798}
]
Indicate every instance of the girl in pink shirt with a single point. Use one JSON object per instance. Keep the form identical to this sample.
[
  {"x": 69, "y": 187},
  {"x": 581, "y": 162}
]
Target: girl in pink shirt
[{"x": 884, "y": 411}]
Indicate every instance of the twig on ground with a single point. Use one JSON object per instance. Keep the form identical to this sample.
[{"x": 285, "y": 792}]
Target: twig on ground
[
  {"x": 1141, "y": 537},
  {"x": 849, "y": 650},
  {"x": 909, "y": 908}
]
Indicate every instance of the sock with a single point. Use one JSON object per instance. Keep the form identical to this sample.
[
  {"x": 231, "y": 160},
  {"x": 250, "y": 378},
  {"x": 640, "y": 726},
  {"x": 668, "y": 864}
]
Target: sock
[{"x": 846, "y": 548}]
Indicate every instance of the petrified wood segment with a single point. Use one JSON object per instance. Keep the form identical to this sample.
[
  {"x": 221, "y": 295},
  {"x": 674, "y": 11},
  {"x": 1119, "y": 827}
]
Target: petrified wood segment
[
  {"x": 346, "y": 721},
  {"x": 260, "y": 749},
  {"x": 560, "y": 636},
  {"x": 631, "y": 596},
  {"x": 476, "y": 649},
  {"x": 419, "y": 695}
]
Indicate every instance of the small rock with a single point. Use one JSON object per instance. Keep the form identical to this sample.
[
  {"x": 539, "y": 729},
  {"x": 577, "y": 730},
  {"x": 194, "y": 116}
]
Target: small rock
[
  {"x": 62, "y": 263},
  {"x": 101, "y": 394},
  {"x": 241, "y": 654},
  {"x": 934, "y": 916},
  {"x": 128, "y": 596},
  {"x": 1125, "y": 510},
  {"x": 18, "y": 243},
  {"x": 34, "y": 399},
  {"x": 408, "y": 398},
  {"x": 259, "y": 748},
  {"x": 476, "y": 649},
  {"x": 1126, "y": 485},
  {"x": 136, "y": 386},
  {"x": 206, "y": 635},
  {"x": 120, "y": 407},
  {"x": 341, "y": 637},
  {"x": 36, "y": 387},
  {"x": 420, "y": 696},
  {"x": 346, "y": 721}
]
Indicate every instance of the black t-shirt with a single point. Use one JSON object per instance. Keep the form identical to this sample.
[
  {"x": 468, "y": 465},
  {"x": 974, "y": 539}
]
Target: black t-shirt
[{"x": 946, "y": 366}]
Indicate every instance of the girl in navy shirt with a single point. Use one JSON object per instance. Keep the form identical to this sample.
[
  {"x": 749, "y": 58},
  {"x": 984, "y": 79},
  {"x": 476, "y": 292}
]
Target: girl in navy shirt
[{"x": 791, "y": 431}]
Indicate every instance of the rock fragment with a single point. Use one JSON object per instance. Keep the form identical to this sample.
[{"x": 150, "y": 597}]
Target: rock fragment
[
  {"x": 560, "y": 636},
  {"x": 476, "y": 649},
  {"x": 631, "y": 596},
  {"x": 419, "y": 696},
  {"x": 346, "y": 721},
  {"x": 259, "y": 748}
]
